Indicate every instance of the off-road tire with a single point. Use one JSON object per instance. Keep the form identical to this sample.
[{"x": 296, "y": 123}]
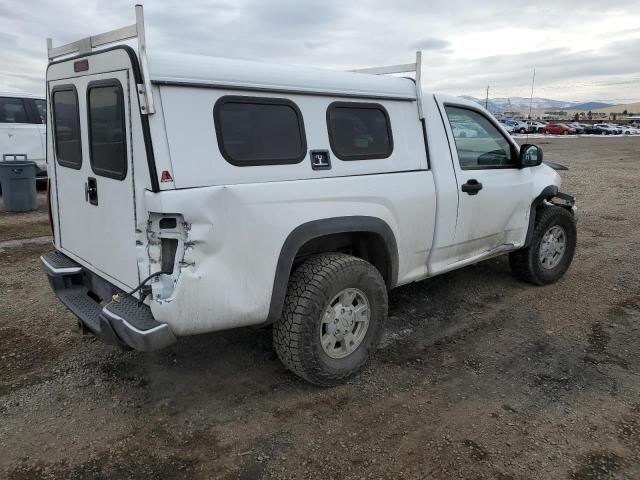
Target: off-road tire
[
  {"x": 296, "y": 336},
  {"x": 525, "y": 263}
]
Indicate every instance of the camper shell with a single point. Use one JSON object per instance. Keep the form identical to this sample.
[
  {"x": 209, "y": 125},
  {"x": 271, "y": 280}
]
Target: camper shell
[{"x": 186, "y": 191}]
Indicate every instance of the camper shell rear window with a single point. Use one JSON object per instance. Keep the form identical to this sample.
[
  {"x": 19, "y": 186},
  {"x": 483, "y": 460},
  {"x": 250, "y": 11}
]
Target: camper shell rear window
[
  {"x": 259, "y": 131},
  {"x": 66, "y": 126},
  {"x": 107, "y": 131}
]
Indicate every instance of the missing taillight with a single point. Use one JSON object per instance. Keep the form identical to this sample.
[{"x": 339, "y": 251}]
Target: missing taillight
[
  {"x": 168, "y": 253},
  {"x": 168, "y": 223}
]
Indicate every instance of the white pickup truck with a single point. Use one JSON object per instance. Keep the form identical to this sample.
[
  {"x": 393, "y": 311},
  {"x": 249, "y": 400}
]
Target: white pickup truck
[{"x": 192, "y": 194}]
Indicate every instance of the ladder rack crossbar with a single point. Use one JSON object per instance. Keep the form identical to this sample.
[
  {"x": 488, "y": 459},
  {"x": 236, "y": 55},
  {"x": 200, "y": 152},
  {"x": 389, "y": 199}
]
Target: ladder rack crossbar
[
  {"x": 403, "y": 68},
  {"x": 86, "y": 45}
]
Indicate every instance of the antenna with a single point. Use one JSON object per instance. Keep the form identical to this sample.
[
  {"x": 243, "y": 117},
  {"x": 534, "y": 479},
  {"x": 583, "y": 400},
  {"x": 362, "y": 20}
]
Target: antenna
[
  {"x": 486, "y": 101},
  {"x": 533, "y": 81}
]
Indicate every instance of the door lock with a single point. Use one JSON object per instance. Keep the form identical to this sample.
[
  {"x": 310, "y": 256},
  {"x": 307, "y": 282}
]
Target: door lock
[{"x": 91, "y": 191}]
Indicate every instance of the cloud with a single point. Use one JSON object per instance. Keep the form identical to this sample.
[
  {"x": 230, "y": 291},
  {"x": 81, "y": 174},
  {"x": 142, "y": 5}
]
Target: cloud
[
  {"x": 431, "y": 44},
  {"x": 467, "y": 44}
]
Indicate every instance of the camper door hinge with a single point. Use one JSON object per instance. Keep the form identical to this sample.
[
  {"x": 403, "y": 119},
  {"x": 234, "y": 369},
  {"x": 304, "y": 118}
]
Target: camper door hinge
[{"x": 142, "y": 97}]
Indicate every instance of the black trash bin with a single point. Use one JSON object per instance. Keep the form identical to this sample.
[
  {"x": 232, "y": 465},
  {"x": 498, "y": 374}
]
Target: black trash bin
[{"x": 18, "y": 182}]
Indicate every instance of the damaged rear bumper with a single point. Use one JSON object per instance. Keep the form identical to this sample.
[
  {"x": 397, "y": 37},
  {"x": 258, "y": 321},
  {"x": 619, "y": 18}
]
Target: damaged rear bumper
[{"x": 123, "y": 322}]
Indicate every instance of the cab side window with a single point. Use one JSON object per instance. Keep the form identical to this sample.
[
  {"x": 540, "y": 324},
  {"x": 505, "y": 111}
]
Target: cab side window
[
  {"x": 12, "y": 110},
  {"x": 478, "y": 141}
]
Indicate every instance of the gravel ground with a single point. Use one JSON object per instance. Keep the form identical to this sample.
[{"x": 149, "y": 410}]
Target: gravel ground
[
  {"x": 17, "y": 226},
  {"x": 479, "y": 375}
]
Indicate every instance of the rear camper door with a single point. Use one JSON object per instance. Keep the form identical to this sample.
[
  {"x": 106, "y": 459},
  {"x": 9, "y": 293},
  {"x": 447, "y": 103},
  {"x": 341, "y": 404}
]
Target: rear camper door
[{"x": 94, "y": 174}]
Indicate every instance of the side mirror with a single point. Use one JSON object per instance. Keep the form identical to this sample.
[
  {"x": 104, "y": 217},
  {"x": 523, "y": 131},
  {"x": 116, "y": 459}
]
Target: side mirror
[{"x": 530, "y": 156}]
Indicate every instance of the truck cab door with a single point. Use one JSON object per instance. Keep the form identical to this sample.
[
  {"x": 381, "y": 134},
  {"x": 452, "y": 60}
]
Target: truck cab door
[{"x": 494, "y": 194}]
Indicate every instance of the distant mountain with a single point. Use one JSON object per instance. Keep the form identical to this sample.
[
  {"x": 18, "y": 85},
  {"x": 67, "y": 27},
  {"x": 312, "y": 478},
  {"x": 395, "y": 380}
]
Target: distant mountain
[
  {"x": 523, "y": 103},
  {"x": 591, "y": 105}
]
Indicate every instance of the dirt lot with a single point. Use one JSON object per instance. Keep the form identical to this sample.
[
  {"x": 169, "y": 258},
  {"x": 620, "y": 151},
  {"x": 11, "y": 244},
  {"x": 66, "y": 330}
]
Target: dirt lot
[
  {"x": 479, "y": 375},
  {"x": 16, "y": 226}
]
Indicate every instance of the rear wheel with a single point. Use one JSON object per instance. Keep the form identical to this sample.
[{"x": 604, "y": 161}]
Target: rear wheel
[
  {"x": 551, "y": 250},
  {"x": 332, "y": 320}
]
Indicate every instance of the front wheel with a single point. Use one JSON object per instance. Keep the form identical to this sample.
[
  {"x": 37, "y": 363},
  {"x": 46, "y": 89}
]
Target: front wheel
[
  {"x": 333, "y": 318},
  {"x": 553, "y": 244}
]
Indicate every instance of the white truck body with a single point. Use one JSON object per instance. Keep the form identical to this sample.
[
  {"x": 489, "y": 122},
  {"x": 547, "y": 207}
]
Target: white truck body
[
  {"x": 228, "y": 237},
  {"x": 22, "y": 128}
]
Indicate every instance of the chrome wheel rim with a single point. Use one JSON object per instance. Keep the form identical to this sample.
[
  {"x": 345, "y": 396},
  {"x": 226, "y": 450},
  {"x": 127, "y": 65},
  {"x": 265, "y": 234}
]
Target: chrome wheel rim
[
  {"x": 552, "y": 247},
  {"x": 345, "y": 323}
]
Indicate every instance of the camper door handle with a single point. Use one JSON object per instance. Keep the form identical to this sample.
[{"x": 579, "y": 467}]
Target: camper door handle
[
  {"x": 87, "y": 191},
  {"x": 91, "y": 191}
]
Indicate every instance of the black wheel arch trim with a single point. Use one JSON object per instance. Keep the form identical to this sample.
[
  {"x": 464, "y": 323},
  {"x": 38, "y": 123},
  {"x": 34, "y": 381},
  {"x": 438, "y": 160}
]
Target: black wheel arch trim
[
  {"x": 547, "y": 193},
  {"x": 319, "y": 228}
]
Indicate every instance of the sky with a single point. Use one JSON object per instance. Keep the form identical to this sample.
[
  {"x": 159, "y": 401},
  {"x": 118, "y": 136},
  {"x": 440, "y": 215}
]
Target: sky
[{"x": 582, "y": 50}]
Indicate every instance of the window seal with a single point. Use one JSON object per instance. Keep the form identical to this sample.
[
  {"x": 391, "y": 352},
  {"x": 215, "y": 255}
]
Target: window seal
[
  {"x": 359, "y": 105},
  {"x": 65, "y": 88},
  {"x": 110, "y": 82},
  {"x": 258, "y": 101},
  {"x": 495, "y": 123}
]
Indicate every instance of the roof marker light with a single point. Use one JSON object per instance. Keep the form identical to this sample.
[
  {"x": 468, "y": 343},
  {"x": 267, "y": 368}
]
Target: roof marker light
[{"x": 81, "y": 65}]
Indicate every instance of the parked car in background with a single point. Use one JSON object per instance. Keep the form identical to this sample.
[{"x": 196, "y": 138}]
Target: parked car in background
[
  {"x": 508, "y": 125},
  {"x": 23, "y": 128},
  {"x": 596, "y": 130},
  {"x": 558, "y": 129},
  {"x": 630, "y": 130},
  {"x": 606, "y": 129},
  {"x": 535, "y": 127},
  {"x": 618, "y": 128},
  {"x": 577, "y": 127},
  {"x": 520, "y": 126},
  {"x": 464, "y": 131}
]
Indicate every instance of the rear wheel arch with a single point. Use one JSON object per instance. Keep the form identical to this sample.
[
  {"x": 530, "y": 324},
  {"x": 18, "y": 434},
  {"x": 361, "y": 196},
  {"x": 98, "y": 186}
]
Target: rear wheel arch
[{"x": 369, "y": 238}]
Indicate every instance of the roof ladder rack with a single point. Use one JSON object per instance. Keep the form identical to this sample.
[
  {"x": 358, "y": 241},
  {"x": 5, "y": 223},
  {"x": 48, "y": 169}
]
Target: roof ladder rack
[
  {"x": 86, "y": 46},
  {"x": 404, "y": 68}
]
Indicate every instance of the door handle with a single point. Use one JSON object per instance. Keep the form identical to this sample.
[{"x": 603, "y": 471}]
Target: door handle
[
  {"x": 472, "y": 187},
  {"x": 91, "y": 191}
]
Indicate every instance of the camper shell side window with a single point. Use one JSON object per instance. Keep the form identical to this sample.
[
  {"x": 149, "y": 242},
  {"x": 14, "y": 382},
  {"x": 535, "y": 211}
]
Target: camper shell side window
[
  {"x": 107, "y": 130},
  {"x": 359, "y": 131},
  {"x": 255, "y": 131},
  {"x": 66, "y": 126}
]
